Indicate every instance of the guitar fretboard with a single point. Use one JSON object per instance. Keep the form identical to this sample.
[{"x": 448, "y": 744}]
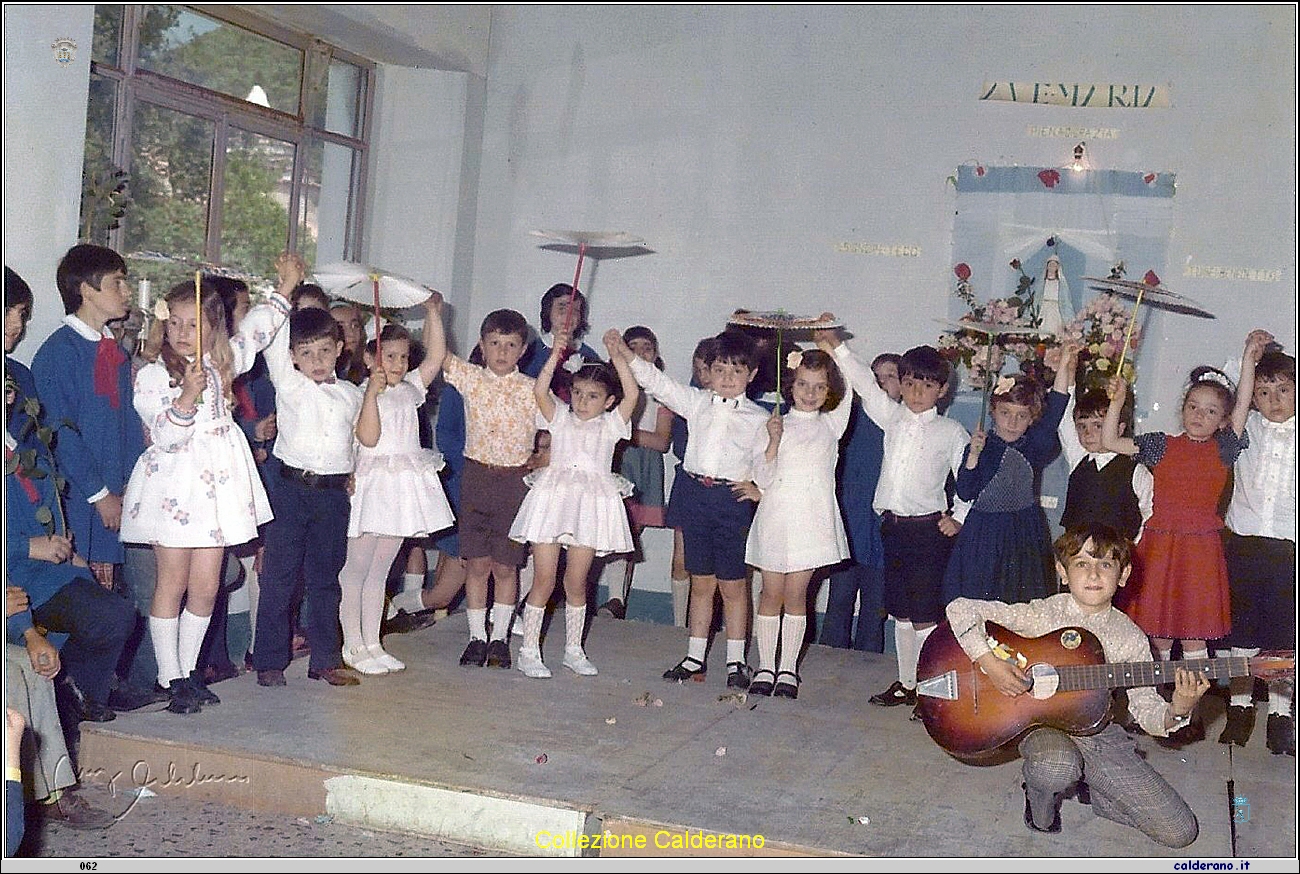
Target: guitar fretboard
[{"x": 1122, "y": 675}]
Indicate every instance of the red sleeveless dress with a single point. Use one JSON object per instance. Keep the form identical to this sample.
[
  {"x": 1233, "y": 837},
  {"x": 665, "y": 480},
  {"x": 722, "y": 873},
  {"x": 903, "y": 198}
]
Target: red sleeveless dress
[{"x": 1183, "y": 592}]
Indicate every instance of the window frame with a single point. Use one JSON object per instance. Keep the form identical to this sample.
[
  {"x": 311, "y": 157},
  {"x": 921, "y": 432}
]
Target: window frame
[{"x": 132, "y": 85}]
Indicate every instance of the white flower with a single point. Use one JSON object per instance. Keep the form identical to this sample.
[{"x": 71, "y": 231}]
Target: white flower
[
  {"x": 573, "y": 363},
  {"x": 160, "y": 310},
  {"x": 794, "y": 359}
]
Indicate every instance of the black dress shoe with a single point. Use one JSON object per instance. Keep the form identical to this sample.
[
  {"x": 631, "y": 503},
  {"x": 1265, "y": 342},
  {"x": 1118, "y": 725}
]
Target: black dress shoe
[
  {"x": 81, "y": 708},
  {"x": 1052, "y": 829},
  {"x": 895, "y": 695},
  {"x": 1241, "y": 722},
  {"x": 128, "y": 698},
  {"x": 1189, "y": 734},
  {"x": 687, "y": 669},
  {"x": 498, "y": 654},
  {"x": 475, "y": 655},
  {"x": 762, "y": 683},
  {"x": 184, "y": 697},
  {"x": 335, "y": 677},
  {"x": 1280, "y": 737},
  {"x": 204, "y": 695},
  {"x": 405, "y": 623}
]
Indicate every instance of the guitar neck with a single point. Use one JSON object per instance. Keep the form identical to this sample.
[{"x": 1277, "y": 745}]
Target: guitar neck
[{"x": 1124, "y": 675}]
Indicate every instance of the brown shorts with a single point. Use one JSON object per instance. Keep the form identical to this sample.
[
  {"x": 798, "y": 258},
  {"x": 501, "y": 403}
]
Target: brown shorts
[{"x": 489, "y": 500}]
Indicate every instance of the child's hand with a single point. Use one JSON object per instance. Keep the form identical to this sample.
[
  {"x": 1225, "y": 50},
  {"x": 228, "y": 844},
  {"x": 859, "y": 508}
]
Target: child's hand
[
  {"x": 1005, "y": 676},
  {"x": 977, "y": 441},
  {"x": 746, "y": 491},
  {"x": 50, "y": 547},
  {"x": 192, "y": 385},
  {"x": 827, "y": 339},
  {"x": 1117, "y": 389},
  {"x": 265, "y": 429},
  {"x": 15, "y": 600},
  {"x": 434, "y": 304},
  {"x": 614, "y": 343},
  {"x": 1189, "y": 686},
  {"x": 43, "y": 655},
  {"x": 109, "y": 508},
  {"x": 291, "y": 270},
  {"x": 775, "y": 425},
  {"x": 378, "y": 379},
  {"x": 948, "y": 526},
  {"x": 1256, "y": 341},
  {"x": 563, "y": 343}
]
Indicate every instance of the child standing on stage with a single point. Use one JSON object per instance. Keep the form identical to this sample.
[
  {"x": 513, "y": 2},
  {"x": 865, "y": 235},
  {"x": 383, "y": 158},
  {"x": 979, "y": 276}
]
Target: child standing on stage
[
  {"x": 196, "y": 489},
  {"x": 1104, "y": 486},
  {"x": 727, "y": 440},
  {"x": 797, "y": 528},
  {"x": 1259, "y": 545},
  {"x": 575, "y": 502},
  {"x": 500, "y": 415},
  {"x": 922, "y": 449},
  {"x": 1004, "y": 551},
  {"x": 1184, "y": 592},
  {"x": 316, "y": 418},
  {"x": 642, "y": 462},
  {"x": 398, "y": 493}
]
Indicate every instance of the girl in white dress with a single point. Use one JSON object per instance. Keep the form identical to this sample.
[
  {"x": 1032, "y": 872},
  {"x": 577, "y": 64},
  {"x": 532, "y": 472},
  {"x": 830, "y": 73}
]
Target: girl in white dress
[
  {"x": 575, "y": 502},
  {"x": 797, "y": 528},
  {"x": 398, "y": 493},
  {"x": 196, "y": 489}
]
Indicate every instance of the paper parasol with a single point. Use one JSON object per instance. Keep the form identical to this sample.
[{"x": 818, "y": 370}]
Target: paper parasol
[
  {"x": 990, "y": 330},
  {"x": 370, "y": 285},
  {"x": 1155, "y": 294},
  {"x": 206, "y": 267},
  {"x": 781, "y": 321},
  {"x": 583, "y": 241}
]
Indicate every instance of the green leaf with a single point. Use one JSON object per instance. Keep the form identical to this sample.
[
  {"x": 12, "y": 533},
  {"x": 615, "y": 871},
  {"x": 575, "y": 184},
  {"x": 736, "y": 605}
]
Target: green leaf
[
  {"x": 11, "y": 465},
  {"x": 60, "y": 483},
  {"x": 32, "y": 407},
  {"x": 45, "y": 435},
  {"x": 44, "y": 516}
]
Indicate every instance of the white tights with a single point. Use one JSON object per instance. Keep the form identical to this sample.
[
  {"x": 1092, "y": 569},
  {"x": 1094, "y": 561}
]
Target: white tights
[{"x": 363, "y": 582}]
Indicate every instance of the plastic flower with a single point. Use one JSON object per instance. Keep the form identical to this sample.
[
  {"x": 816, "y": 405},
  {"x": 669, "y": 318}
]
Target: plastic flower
[
  {"x": 794, "y": 359},
  {"x": 160, "y": 310},
  {"x": 962, "y": 270},
  {"x": 1004, "y": 385}
]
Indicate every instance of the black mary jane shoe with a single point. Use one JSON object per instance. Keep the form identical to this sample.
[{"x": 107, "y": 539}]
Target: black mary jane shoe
[
  {"x": 784, "y": 688},
  {"x": 762, "y": 683},
  {"x": 687, "y": 669},
  {"x": 738, "y": 675}
]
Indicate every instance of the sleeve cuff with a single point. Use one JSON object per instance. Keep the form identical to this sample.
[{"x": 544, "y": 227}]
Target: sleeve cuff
[{"x": 98, "y": 496}]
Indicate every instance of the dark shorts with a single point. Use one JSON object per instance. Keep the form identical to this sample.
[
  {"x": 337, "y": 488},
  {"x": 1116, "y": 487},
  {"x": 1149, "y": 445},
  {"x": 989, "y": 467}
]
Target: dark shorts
[
  {"x": 489, "y": 499},
  {"x": 714, "y": 527},
  {"x": 916, "y": 556},
  {"x": 1261, "y": 584}
]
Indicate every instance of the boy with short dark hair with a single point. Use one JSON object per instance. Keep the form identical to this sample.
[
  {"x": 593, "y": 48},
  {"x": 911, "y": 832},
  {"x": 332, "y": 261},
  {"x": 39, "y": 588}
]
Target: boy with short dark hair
[
  {"x": 1093, "y": 561},
  {"x": 921, "y": 450},
  {"x": 1259, "y": 542},
  {"x": 500, "y": 420},
  {"x": 316, "y": 417},
  {"x": 728, "y": 436}
]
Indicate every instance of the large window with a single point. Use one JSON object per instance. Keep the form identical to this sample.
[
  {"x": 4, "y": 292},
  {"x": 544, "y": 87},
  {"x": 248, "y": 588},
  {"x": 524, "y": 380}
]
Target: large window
[{"x": 239, "y": 139}]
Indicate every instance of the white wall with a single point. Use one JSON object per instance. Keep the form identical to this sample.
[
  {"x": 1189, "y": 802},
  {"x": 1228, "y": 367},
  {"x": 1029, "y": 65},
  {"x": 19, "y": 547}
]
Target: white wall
[
  {"x": 44, "y": 133},
  {"x": 743, "y": 143}
]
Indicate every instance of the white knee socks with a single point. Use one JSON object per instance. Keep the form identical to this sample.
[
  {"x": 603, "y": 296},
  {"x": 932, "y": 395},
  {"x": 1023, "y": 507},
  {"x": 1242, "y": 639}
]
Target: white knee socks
[
  {"x": 532, "y": 621},
  {"x": 162, "y": 631},
  {"x": 190, "y": 631},
  {"x": 766, "y": 631},
  {"x": 907, "y": 648},
  {"x": 792, "y": 631}
]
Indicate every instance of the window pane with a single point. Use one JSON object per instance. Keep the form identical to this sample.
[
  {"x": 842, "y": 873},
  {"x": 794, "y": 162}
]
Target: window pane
[
  {"x": 329, "y": 203},
  {"x": 203, "y": 51},
  {"x": 343, "y": 95},
  {"x": 171, "y": 171},
  {"x": 108, "y": 35},
  {"x": 101, "y": 200},
  {"x": 255, "y": 203}
]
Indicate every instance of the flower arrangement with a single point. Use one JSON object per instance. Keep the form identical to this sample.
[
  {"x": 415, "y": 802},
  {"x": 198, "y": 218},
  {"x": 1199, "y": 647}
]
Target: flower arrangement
[
  {"x": 1099, "y": 330},
  {"x": 970, "y": 348}
]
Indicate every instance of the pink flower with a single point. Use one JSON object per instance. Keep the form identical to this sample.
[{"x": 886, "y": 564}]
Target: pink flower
[
  {"x": 979, "y": 170},
  {"x": 1151, "y": 278},
  {"x": 962, "y": 270},
  {"x": 1049, "y": 177}
]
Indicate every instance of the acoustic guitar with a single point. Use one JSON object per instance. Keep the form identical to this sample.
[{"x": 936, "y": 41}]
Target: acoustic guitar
[{"x": 1071, "y": 686}]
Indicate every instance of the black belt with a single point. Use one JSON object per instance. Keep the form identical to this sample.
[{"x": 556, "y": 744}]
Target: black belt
[
  {"x": 890, "y": 516},
  {"x": 708, "y": 481},
  {"x": 314, "y": 480}
]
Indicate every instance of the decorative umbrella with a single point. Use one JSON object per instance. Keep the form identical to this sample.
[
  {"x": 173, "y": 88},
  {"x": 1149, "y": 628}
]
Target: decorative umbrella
[
  {"x": 781, "y": 321},
  {"x": 1155, "y": 294},
  {"x": 990, "y": 330},
  {"x": 584, "y": 241},
  {"x": 371, "y": 285}
]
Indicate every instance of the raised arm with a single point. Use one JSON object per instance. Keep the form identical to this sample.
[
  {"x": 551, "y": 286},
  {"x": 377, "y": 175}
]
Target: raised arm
[
  {"x": 1256, "y": 340},
  {"x": 857, "y": 374},
  {"x": 631, "y": 391},
  {"x": 368, "y": 427},
  {"x": 542, "y": 384},
  {"x": 435, "y": 339},
  {"x": 1110, "y": 436}
]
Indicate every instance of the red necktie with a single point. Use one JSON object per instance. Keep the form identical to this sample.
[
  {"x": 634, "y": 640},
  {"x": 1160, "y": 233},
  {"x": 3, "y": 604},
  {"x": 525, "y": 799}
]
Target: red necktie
[
  {"x": 28, "y": 486},
  {"x": 108, "y": 357},
  {"x": 244, "y": 398}
]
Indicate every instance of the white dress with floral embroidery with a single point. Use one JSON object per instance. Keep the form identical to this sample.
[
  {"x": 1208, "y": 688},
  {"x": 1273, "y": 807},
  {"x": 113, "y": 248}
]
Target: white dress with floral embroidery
[
  {"x": 578, "y": 499},
  {"x": 197, "y": 484}
]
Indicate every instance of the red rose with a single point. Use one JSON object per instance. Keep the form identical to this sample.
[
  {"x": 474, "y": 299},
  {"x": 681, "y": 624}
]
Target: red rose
[
  {"x": 962, "y": 270},
  {"x": 1151, "y": 278},
  {"x": 1149, "y": 178},
  {"x": 979, "y": 169},
  {"x": 1049, "y": 177}
]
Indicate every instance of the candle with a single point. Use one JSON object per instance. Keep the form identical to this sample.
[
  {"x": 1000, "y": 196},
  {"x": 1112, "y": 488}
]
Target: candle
[
  {"x": 142, "y": 295},
  {"x": 198, "y": 314}
]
